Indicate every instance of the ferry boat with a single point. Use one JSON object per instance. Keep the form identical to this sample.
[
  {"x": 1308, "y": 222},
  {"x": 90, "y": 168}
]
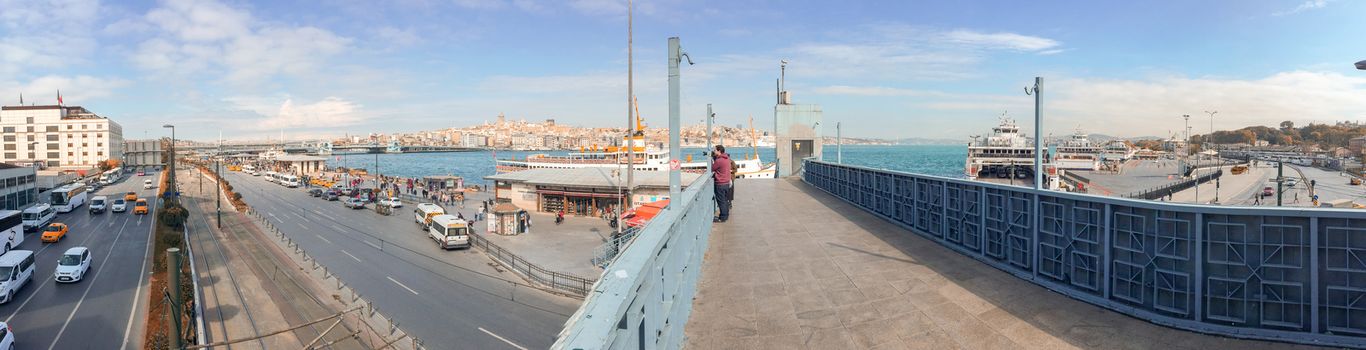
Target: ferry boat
[
  {"x": 1117, "y": 151},
  {"x": 647, "y": 158},
  {"x": 1078, "y": 152},
  {"x": 1005, "y": 154}
]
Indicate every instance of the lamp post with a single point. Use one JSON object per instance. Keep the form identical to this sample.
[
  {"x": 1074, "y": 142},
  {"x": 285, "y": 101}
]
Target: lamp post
[
  {"x": 172, "y": 161},
  {"x": 1209, "y": 140},
  {"x": 1194, "y": 173}
]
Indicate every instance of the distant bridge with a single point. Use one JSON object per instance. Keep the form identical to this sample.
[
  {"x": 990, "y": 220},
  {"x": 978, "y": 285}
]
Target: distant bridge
[{"x": 324, "y": 148}]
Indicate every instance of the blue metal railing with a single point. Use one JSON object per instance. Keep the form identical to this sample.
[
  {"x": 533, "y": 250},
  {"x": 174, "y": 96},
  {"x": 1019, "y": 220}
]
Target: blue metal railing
[
  {"x": 644, "y": 297},
  {"x": 1287, "y": 274}
]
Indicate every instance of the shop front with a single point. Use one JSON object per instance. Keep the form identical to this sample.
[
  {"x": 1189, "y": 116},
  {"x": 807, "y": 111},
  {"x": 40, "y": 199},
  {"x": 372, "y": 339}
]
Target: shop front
[{"x": 576, "y": 201}]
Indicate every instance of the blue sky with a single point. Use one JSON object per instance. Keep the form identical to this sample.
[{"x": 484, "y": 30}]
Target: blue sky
[{"x": 888, "y": 69}]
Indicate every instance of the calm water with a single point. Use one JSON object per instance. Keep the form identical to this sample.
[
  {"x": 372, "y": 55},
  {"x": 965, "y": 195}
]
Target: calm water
[{"x": 932, "y": 160}]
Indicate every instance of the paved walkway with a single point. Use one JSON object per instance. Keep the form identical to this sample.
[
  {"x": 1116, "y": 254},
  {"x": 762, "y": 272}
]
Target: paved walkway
[{"x": 797, "y": 268}]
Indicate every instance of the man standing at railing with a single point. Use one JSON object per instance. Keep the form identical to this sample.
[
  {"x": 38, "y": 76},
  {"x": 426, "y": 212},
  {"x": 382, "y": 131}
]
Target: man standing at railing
[{"x": 721, "y": 176}]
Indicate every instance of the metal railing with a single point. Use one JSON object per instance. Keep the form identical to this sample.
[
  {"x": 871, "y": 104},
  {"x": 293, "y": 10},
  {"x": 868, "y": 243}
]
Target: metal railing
[
  {"x": 644, "y": 297},
  {"x": 1287, "y": 274},
  {"x": 1172, "y": 188},
  {"x": 603, "y": 254},
  {"x": 554, "y": 280}
]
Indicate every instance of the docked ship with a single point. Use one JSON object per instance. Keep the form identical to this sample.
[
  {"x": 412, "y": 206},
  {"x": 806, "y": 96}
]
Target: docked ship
[
  {"x": 1005, "y": 154},
  {"x": 1117, "y": 151},
  {"x": 647, "y": 158},
  {"x": 1078, "y": 152}
]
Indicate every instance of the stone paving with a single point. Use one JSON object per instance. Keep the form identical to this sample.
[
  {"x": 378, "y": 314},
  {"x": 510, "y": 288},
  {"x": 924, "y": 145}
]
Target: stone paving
[{"x": 796, "y": 268}]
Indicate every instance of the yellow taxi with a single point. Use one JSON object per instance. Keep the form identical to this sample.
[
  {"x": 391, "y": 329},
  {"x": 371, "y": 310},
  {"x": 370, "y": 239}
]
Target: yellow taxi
[
  {"x": 141, "y": 207},
  {"x": 54, "y": 232},
  {"x": 131, "y": 196}
]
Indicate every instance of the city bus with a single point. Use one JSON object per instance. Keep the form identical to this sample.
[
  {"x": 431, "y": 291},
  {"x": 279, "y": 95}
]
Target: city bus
[
  {"x": 68, "y": 198},
  {"x": 111, "y": 176},
  {"x": 11, "y": 229}
]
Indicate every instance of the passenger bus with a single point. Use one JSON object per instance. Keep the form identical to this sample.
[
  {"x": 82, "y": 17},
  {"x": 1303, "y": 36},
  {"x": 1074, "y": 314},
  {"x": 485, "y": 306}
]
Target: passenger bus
[
  {"x": 288, "y": 180},
  {"x": 68, "y": 198},
  {"x": 11, "y": 229},
  {"x": 111, "y": 176}
]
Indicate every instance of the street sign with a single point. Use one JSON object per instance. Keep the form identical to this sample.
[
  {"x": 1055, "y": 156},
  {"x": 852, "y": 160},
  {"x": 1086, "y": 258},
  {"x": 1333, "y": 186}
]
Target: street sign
[{"x": 674, "y": 165}]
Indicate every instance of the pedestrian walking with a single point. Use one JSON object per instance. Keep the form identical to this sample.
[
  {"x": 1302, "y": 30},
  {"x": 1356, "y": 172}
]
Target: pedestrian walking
[{"x": 722, "y": 177}]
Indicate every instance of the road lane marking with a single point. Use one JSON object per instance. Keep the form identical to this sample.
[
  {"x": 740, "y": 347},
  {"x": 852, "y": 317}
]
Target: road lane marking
[
  {"x": 501, "y": 338},
  {"x": 354, "y": 257},
  {"x": 301, "y": 217},
  {"x": 371, "y": 244},
  {"x": 137, "y": 294},
  {"x": 323, "y": 238},
  {"x": 301, "y": 225},
  {"x": 391, "y": 279},
  {"x": 88, "y": 285}
]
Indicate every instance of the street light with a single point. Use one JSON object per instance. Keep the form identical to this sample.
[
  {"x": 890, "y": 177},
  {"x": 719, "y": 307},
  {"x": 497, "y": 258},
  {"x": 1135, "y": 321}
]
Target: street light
[
  {"x": 1209, "y": 139},
  {"x": 172, "y": 160}
]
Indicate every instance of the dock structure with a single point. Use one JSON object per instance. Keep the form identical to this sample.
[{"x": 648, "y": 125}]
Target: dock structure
[{"x": 848, "y": 257}]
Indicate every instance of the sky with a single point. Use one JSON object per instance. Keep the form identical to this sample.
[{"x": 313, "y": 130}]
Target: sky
[{"x": 881, "y": 69}]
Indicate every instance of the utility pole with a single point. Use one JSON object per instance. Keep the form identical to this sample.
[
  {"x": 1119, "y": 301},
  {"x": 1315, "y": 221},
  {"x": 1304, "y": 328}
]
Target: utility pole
[
  {"x": 173, "y": 278},
  {"x": 709, "y": 149},
  {"x": 675, "y": 154},
  {"x": 631, "y": 126},
  {"x": 1209, "y": 141},
  {"x": 1036, "y": 90}
]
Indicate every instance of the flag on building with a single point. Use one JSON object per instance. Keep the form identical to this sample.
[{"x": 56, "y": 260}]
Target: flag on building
[{"x": 59, "y": 97}]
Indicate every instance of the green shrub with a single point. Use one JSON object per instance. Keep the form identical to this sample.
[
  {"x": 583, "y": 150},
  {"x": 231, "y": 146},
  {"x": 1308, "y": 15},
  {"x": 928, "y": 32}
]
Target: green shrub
[{"x": 174, "y": 216}]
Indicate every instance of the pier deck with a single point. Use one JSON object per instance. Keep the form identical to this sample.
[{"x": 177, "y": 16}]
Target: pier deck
[{"x": 797, "y": 268}]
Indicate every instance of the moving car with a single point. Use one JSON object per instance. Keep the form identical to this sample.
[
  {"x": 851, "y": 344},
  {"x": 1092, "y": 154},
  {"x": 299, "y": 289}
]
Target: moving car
[
  {"x": 392, "y": 202},
  {"x": 16, "y": 271},
  {"x": 98, "y": 204},
  {"x": 130, "y": 196},
  {"x": 54, "y": 232},
  {"x": 449, "y": 232},
  {"x": 1268, "y": 191},
  {"x": 37, "y": 217},
  {"x": 140, "y": 173},
  {"x": 317, "y": 192},
  {"x": 147, "y": 184},
  {"x": 331, "y": 196},
  {"x": 6, "y": 337},
  {"x": 353, "y": 203},
  {"x": 73, "y": 265},
  {"x": 120, "y": 205},
  {"x": 140, "y": 207}
]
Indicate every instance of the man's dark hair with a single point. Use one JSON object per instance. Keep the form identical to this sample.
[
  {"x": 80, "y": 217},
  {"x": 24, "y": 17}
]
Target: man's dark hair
[{"x": 720, "y": 148}]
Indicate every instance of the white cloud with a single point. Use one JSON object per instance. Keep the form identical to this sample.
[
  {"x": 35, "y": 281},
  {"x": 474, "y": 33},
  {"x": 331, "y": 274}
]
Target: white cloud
[
  {"x": 1010, "y": 41},
  {"x": 195, "y": 36},
  {"x": 398, "y": 37},
  {"x": 45, "y": 34},
  {"x": 328, "y": 113},
  {"x": 1305, "y": 6},
  {"x": 43, "y": 90}
]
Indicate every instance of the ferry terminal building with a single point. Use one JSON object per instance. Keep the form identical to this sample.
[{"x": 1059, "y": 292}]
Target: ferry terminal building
[{"x": 580, "y": 191}]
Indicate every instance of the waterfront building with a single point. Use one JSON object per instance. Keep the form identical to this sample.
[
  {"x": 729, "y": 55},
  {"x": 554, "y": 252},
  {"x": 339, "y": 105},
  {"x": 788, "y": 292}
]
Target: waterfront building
[
  {"x": 17, "y": 186},
  {"x": 579, "y": 191},
  {"x": 143, "y": 153},
  {"x": 299, "y": 164},
  {"x": 58, "y": 136}
]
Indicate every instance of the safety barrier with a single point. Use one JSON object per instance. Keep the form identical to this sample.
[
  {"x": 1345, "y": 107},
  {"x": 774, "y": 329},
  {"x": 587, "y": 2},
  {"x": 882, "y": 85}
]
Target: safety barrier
[
  {"x": 645, "y": 296},
  {"x": 553, "y": 280},
  {"x": 1286, "y": 274}
]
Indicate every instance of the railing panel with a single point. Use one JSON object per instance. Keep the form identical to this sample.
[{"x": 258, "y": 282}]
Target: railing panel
[{"x": 1288, "y": 274}]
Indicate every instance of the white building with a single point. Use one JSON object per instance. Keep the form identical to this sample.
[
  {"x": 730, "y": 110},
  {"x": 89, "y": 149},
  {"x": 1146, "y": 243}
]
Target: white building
[
  {"x": 58, "y": 136},
  {"x": 143, "y": 153}
]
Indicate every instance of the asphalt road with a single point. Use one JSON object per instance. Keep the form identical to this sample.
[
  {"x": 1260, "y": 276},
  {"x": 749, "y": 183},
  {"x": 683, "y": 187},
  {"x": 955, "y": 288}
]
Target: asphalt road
[
  {"x": 438, "y": 296},
  {"x": 1332, "y": 185},
  {"x": 103, "y": 308}
]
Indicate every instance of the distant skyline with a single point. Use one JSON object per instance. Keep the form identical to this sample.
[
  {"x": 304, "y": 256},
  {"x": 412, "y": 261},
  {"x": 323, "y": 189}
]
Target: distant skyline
[{"x": 884, "y": 69}]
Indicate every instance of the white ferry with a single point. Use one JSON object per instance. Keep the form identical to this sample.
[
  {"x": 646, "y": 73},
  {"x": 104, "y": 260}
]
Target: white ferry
[
  {"x": 646, "y": 159},
  {"x": 1005, "y": 154},
  {"x": 1117, "y": 151},
  {"x": 1078, "y": 153}
]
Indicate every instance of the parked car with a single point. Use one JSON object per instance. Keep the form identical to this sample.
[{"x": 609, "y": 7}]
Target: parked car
[
  {"x": 54, "y": 232},
  {"x": 120, "y": 205},
  {"x": 73, "y": 265},
  {"x": 1268, "y": 191},
  {"x": 353, "y": 203},
  {"x": 331, "y": 196},
  {"x": 392, "y": 202},
  {"x": 317, "y": 192}
]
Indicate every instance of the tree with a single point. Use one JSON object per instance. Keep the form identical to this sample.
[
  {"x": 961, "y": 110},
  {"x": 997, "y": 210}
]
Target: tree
[
  {"x": 1287, "y": 125},
  {"x": 1249, "y": 137}
]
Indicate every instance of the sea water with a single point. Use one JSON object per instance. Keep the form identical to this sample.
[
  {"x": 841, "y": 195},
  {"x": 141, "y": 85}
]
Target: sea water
[{"x": 940, "y": 160}]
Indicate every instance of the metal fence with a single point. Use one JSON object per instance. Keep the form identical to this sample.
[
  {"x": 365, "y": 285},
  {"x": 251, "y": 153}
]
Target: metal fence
[
  {"x": 1172, "y": 188},
  {"x": 554, "y": 280},
  {"x": 605, "y": 253},
  {"x": 1288, "y": 274},
  {"x": 645, "y": 296}
]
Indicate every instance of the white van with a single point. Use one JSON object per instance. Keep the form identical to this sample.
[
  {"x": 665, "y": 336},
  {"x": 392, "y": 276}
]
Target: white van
[
  {"x": 147, "y": 184},
  {"x": 449, "y": 232},
  {"x": 16, "y": 270},
  {"x": 270, "y": 176},
  {"x": 38, "y": 216},
  {"x": 422, "y": 216}
]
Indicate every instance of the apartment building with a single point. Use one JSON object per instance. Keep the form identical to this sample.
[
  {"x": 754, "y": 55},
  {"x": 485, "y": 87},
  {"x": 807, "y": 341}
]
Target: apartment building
[{"x": 58, "y": 136}]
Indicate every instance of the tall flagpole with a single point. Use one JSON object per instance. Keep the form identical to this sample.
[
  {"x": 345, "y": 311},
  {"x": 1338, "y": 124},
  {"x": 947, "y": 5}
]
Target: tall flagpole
[{"x": 630, "y": 106}]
